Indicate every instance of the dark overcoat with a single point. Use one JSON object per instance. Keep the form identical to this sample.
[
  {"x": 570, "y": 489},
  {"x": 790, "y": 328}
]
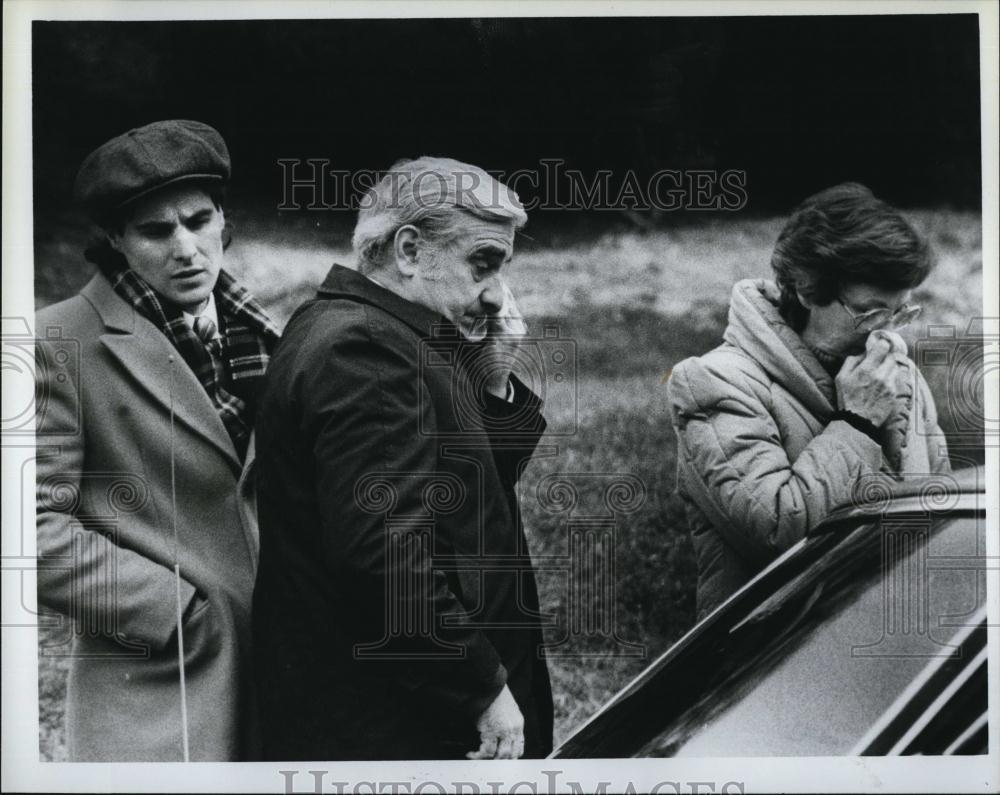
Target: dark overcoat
[{"x": 395, "y": 595}]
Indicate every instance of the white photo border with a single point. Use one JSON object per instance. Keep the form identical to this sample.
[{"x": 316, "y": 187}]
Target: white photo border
[{"x": 22, "y": 770}]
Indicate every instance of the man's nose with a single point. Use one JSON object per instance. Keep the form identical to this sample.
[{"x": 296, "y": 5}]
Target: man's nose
[
  {"x": 492, "y": 295},
  {"x": 184, "y": 245}
]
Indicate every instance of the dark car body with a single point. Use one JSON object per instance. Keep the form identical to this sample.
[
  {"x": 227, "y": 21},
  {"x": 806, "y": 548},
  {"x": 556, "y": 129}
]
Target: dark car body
[{"x": 867, "y": 637}]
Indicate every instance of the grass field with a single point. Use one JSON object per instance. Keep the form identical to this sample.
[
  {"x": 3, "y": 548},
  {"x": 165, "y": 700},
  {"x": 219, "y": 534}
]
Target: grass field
[{"x": 634, "y": 304}]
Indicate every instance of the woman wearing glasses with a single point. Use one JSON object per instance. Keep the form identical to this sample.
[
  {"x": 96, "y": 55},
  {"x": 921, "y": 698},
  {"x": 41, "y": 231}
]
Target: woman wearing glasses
[{"x": 810, "y": 391}]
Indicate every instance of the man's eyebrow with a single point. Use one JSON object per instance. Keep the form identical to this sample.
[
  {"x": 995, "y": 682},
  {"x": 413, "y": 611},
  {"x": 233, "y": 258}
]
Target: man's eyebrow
[
  {"x": 493, "y": 248},
  {"x": 198, "y": 214},
  {"x": 154, "y": 223}
]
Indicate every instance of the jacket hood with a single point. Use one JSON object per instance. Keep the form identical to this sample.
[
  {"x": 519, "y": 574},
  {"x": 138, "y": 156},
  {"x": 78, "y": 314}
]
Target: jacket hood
[{"x": 756, "y": 327}]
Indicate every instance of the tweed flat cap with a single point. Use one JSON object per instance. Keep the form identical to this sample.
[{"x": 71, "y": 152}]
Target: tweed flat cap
[{"x": 146, "y": 159}]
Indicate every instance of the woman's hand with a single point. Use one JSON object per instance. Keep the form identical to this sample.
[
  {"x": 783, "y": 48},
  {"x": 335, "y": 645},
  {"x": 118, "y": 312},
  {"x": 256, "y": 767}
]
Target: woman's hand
[{"x": 866, "y": 385}]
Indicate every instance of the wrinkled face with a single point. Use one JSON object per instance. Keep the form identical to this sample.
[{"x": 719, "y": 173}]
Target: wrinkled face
[
  {"x": 174, "y": 241},
  {"x": 841, "y": 327},
  {"x": 462, "y": 279}
]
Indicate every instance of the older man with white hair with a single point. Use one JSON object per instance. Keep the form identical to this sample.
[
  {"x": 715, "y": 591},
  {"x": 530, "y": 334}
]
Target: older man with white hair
[{"x": 396, "y": 611}]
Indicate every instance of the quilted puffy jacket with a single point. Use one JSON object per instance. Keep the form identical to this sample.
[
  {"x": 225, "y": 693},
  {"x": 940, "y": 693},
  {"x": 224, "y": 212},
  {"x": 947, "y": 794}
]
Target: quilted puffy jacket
[{"x": 759, "y": 462}]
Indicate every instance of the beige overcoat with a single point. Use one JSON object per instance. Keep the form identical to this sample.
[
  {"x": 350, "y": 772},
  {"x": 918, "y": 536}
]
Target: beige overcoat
[{"x": 123, "y": 426}]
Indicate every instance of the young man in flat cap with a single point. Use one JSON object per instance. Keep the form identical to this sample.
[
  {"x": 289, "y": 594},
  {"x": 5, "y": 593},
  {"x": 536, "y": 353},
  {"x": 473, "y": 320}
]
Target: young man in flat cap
[{"x": 148, "y": 383}]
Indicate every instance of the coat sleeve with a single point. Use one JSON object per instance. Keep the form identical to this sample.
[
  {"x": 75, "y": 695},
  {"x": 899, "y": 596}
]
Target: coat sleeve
[
  {"x": 82, "y": 572},
  {"x": 937, "y": 444},
  {"x": 732, "y": 463},
  {"x": 384, "y": 508},
  {"x": 514, "y": 429}
]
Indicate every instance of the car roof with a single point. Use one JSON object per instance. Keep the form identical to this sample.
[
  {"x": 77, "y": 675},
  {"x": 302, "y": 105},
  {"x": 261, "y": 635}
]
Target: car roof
[{"x": 880, "y": 493}]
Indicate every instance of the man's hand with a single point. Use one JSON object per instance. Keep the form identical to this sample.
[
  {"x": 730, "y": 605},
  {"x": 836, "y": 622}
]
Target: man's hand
[
  {"x": 501, "y": 729},
  {"x": 505, "y": 330},
  {"x": 866, "y": 385}
]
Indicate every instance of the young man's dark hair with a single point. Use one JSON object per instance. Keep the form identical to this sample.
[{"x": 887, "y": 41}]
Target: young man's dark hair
[{"x": 100, "y": 251}]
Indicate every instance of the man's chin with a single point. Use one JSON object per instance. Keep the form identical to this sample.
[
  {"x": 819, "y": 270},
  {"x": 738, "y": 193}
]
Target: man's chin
[{"x": 190, "y": 300}]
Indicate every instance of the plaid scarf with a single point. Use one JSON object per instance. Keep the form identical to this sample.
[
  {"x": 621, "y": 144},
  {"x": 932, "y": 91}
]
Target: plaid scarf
[{"x": 233, "y": 378}]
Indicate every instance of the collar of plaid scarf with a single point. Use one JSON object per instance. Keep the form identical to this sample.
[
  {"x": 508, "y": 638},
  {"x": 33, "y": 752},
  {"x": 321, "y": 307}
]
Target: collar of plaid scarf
[{"x": 233, "y": 378}]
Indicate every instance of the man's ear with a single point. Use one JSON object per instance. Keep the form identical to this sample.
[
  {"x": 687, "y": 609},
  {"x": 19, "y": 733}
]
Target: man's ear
[
  {"x": 115, "y": 241},
  {"x": 406, "y": 249}
]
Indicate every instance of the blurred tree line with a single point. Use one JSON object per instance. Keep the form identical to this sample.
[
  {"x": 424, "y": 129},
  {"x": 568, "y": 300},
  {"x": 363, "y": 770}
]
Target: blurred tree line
[{"x": 796, "y": 102}]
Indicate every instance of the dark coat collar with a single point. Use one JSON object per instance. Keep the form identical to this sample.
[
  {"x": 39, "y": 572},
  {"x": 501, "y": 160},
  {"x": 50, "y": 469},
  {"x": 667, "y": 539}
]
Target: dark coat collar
[{"x": 343, "y": 282}]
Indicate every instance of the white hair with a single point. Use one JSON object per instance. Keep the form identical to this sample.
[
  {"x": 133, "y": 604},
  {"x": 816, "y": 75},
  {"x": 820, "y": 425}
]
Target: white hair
[{"x": 432, "y": 194}]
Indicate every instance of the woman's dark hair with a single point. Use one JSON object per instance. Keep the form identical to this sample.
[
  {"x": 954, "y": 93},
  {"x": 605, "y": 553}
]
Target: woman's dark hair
[
  {"x": 844, "y": 235},
  {"x": 99, "y": 250}
]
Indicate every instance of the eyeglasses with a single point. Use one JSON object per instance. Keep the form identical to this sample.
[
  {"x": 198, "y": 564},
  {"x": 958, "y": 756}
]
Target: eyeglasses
[{"x": 882, "y": 317}]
